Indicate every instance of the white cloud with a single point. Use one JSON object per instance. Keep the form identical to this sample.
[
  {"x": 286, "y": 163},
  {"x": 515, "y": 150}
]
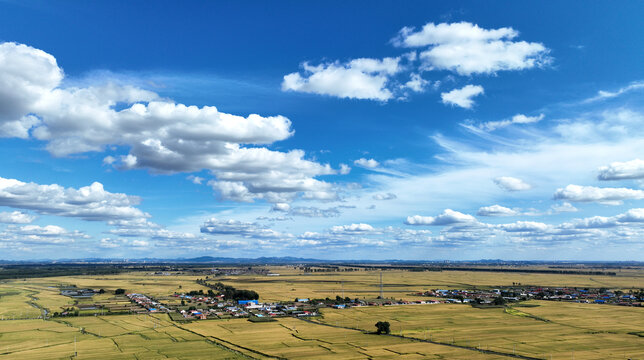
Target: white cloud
[
  {"x": 48, "y": 230},
  {"x": 496, "y": 210},
  {"x": 154, "y": 232},
  {"x": 595, "y": 222},
  {"x": 602, "y": 95},
  {"x": 564, "y": 207},
  {"x": 25, "y": 237},
  {"x": 608, "y": 196},
  {"x": 526, "y": 226},
  {"x": 516, "y": 119},
  {"x": 367, "y": 163},
  {"x": 16, "y": 217},
  {"x": 358, "y": 79},
  {"x": 462, "y": 97},
  {"x": 467, "y": 49},
  {"x": 447, "y": 217},
  {"x": 387, "y": 196},
  {"x": 416, "y": 83},
  {"x": 195, "y": 179},
  {"x": 633, "y": 169},
  {"x": 162, "y": 136},
  {"x": 28, "y": 75},
  {"x": 109, "y": 160},
  {"x": 353, "y": 228},
  {"x": 283, "y": 207},
  {"x": 631, "y": 216},
  {"x": 344, "y": 169},
  {"x": 88, "y": 202},
  {"x": 314, "y": 212},
  {"x": 215, "y": 226},
  {"x": 509, "y": 183}
]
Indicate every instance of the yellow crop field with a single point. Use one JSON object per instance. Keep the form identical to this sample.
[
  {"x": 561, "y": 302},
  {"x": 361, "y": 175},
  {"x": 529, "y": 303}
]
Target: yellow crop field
[
  {"x": 400, "y": 284},
  {"x": 295, "y": 339},
  {"x": 15, "y": 303},
  {"x": 109, "y": 337},
  {"x": 542, "y": 329},
  {"x": 590, "y": 331}
]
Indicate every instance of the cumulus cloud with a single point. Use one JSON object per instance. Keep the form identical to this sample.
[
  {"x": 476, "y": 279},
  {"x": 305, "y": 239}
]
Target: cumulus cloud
[
  {"x": 28, "y": 75},
  {"x": 563, "y": 207},
  {"x": 516, "y": 119},
  {"x": 525, "y": 226},
  {"x": 509, "y": 183},
  {"x": 462, "y": 97},
  {"x": 357, "y": 79},
  {"x": 608, "y": 196},
  {"x": 352, "y": 229},
  {"x": 628, "y": 170},
  {"x": 467, "y": 49},
  {"x": 88, "y": 202},
  {"x": 48, "y": 230},
  {"x": 16, "y": 217},
  {"x": 132, "y": 244},
  {"x": 306, "y": 211},
  {"x": 630, "y": 217},
  {"x": 496, "y": 210},
  {"x": 387, "y": 196},
  {"x": 154, "y": 232},
  {"x": 216, "y": 226},
  {"x": 28, "y": 235},
  {"x": 344, "y": 169},
  {"x": 162, "y": 136},
  {"x": 447, "y": 217},
  {"x": 367, "y": 163},
  {"x": 195, "y": 179},
  {"x": 314, "y": 212},
  {"x": 416, "y": 83},
  {"x": 109, "y": 160},
  {"x": 283, "y": 207}
]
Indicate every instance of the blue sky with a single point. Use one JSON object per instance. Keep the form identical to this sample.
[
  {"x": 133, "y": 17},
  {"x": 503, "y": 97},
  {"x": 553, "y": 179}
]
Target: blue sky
[{"x": 368, "y": 130}]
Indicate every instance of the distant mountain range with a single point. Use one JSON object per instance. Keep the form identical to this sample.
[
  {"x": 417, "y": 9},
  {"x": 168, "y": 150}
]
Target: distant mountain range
[{"x": 297, "y": 260}]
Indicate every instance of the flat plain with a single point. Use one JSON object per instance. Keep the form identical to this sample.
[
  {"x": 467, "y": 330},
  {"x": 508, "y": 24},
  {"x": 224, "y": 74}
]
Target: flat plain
[{"x": 536, "y": 329}]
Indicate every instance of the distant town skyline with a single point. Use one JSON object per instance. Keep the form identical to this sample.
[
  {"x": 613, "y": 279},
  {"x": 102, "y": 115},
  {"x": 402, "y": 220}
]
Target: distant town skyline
[{"x": 361, "y": 130}]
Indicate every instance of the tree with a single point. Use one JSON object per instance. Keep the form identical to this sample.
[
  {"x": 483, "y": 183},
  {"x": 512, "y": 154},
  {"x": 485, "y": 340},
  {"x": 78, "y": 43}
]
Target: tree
[
  {"x": 499, "y": 300},
  {"x": 382, "y": 327},
  {"x": 119, "y": 291}
]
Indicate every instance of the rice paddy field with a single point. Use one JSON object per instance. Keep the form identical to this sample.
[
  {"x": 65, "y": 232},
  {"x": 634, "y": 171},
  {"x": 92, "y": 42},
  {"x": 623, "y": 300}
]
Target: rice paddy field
[
  {"x": 400, "y": 284},
  {"x": 296, "y": 339},
  {"x": 542, "y": 329},
  {"x": 107, "y": 337},
  {"x": 535, "y": 329}
]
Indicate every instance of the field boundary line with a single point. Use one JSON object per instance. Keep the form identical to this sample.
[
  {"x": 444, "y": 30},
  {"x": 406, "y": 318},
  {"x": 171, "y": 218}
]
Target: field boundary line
[
  {"x": 221, "y": 343},
  {"x": 492, "y": 352}
]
